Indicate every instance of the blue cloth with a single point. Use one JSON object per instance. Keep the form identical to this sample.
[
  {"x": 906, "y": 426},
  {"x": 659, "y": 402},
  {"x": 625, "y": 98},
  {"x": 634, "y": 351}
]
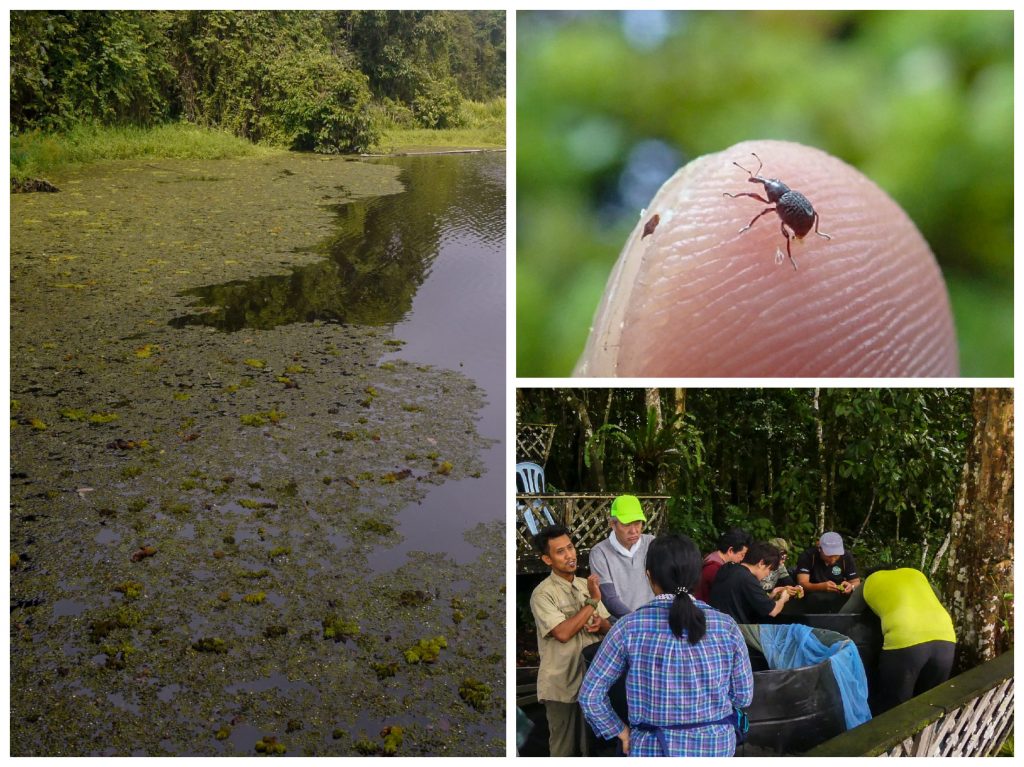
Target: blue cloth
[
  {"x": 670, "y": 682},
  {"x": 793, "y": 646}
]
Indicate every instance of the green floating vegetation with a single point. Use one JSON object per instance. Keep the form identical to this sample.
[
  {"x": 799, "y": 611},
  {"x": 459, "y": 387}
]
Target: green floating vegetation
[
  {"x": 475, "y": 693},
  {"x": 249, "y": 503},
  {"x": 147, "y": 351},
  {"x": 223, "y": 733},
  {"x": 411, "y": 408},
  {"x": 182, "y": 396},
  {"x": 122, "y": 618},
  {"x": 269, "y": 744},
  {"x": 262, "y": 419},
  {"x": 365, "y": 747},
  {"x": 130, "y": 589},
  {"x": 279, "y": 551},
  {"x": 256, "y": 598},
  {"x": 445, "y": 468},
  {"x": 294, "y": 725},
  {"x": 412, "y": 597},
  {"x": 293, "y": 369},
  {"x": 254, "y": 574},
  {"x": 338, "y": 734},
  {"x": 384, "y": 670},
  {"x": 255, "y": 363},
  {"x": 38, "y": 424},
  {"x": 339, "y": 629},
  {"x": 176, "y": 508},
  {"x": 130, "y": 472},
  {"x": 392, "y": 740},
  {"x": 80, "y": 414},
  {"x": 426, "y": 650},
  {"x": 210, "y": 644},
  {"x": 394, "y": 342},
  {"x": 375, "y": 526}
]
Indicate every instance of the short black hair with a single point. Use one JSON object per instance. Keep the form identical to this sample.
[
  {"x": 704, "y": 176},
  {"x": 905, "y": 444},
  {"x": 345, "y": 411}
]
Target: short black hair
[
  {"x": 734, "y": 538},
  {"x": 543, "y": 538},
  {"x": 759, "y": 552}
]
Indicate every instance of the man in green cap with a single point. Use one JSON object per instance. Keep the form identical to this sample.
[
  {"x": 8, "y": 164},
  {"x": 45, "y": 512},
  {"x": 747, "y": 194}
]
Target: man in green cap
[{"x": 619, "y": 561}]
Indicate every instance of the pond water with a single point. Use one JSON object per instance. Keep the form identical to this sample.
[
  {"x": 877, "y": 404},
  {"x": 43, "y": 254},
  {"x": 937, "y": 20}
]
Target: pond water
[
  {"x": 257, "y": 410},
  {"x": 430, "y": 264}
]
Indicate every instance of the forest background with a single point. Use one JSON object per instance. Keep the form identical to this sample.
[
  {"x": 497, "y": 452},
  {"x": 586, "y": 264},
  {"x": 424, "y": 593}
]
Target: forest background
[
  {"x": 914, "y": 477},
  {"x": 327, "y": 81}
]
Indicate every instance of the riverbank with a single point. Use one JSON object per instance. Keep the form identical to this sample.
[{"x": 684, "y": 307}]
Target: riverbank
[{"x": 43, "y": 155}]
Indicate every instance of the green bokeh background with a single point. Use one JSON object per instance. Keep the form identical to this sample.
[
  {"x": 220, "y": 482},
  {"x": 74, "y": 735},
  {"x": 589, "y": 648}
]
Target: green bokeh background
[{"x": 919, "y": 101}]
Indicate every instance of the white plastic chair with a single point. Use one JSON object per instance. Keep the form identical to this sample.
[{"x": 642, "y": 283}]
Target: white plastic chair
[{"x": 530, "y": 480}]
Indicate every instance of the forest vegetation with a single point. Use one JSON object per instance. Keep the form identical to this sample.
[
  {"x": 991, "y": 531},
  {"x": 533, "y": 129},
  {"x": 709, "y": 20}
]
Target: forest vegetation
[
  {"x": 917, "y": 478},
  {"x": 89, "y": 84}
]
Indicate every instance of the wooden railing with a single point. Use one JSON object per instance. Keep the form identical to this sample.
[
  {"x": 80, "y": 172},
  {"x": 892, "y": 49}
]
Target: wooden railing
[
  {"x": 586, "y": 516},
  {"x": 970, "y": 715}
]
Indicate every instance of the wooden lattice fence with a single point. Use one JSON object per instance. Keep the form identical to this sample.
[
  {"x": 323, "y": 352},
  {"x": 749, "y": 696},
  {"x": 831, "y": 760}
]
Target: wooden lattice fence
[
  {"x": 586, "y": 516},
  {"x": 970, "y": 715},
  {"x": 533, "y": 442}
]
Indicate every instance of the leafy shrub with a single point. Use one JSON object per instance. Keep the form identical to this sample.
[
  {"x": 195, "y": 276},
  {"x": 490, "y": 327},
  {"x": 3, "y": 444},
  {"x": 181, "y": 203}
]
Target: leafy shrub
[{"x": 437, "y": 103}]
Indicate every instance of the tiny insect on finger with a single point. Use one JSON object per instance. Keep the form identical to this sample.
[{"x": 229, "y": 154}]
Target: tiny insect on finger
[{"x": 795, "y": 212}]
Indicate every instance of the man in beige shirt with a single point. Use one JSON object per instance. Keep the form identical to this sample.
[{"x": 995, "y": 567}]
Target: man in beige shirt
[{"x": 569, "y": 616}]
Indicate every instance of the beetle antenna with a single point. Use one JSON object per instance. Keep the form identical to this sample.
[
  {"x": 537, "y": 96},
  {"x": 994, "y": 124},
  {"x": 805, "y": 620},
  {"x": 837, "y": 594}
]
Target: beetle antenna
[
  {"x": 756, "y": 172},
  {"x": 759, "y": 164}
]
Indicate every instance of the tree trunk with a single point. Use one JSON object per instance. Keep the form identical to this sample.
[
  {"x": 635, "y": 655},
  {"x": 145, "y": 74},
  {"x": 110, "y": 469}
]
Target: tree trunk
[
  {"x": 821, "y": 461},
  {"x": 596, "y": 462},
  {"x": 680, "y": 402},
  {"x": 979, "y": 581},
  {"x": 652, "y": 399}
]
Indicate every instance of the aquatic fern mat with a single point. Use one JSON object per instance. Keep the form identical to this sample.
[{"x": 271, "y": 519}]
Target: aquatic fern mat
[{"x": 201, "y": 520}]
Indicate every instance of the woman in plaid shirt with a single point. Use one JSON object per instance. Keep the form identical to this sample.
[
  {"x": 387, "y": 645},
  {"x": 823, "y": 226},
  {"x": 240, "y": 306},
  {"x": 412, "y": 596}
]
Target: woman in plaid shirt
[{"x": 688, "y": 667}]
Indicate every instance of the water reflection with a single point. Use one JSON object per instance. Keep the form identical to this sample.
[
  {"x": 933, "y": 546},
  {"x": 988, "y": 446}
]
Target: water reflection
[{"x": 380, "y": 255}]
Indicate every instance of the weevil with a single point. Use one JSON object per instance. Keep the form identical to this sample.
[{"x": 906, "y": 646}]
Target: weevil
[{"x": 795, "y": 211}]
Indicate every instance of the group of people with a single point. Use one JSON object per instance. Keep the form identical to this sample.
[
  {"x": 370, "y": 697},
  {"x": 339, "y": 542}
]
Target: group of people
[{"x": 667, "y": 618}]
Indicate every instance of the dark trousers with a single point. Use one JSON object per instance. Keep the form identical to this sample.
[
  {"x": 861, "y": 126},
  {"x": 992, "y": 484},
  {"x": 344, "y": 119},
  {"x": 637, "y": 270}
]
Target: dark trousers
[{"x": 910, "y": 671}]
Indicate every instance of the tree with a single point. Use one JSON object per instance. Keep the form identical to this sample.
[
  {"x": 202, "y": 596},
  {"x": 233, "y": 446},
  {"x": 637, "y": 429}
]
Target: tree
[{"x": 979, "y": 583}]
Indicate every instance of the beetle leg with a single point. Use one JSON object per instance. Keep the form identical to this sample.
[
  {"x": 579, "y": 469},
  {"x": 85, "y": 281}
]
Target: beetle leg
[
  {"x": 789, "y": 252},
  {"x": 747, "y": 194},
  {"x": 820, "y": 234},
  {"x": 766, "y": 210}
]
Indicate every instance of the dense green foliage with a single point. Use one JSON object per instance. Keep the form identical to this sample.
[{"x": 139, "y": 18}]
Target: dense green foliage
[
  {"x": 611, "y": 104},
  {"x": 887, "y": 468},
  {"x": 317, "y": 80}
]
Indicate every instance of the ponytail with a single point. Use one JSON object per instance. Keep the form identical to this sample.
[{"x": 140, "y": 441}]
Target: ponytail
[{"x": 674, "y": 563}]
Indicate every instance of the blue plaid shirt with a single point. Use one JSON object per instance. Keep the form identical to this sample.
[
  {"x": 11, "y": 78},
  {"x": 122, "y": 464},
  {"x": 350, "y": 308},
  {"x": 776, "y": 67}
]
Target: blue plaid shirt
[{"x": 670, "y": 681}]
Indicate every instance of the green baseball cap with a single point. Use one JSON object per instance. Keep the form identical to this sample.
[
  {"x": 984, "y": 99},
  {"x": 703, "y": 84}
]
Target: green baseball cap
[{"x": 626, "y": 509}]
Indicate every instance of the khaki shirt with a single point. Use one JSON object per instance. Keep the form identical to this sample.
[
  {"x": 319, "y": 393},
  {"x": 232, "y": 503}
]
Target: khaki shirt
[{"x": 561, "y": 667}]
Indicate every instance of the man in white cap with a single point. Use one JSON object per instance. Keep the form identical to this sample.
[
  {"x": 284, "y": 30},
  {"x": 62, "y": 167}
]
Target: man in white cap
[
  {"x": 620, "y": 560},
  {"x": 827, "y": 567}
]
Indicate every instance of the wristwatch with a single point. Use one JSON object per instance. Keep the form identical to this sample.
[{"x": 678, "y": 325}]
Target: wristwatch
[{"x": 592, "y": 602}]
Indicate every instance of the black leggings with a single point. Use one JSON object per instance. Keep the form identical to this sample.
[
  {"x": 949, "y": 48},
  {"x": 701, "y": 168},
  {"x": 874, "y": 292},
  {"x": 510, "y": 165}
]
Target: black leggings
[{"x": 910, "y": 671}]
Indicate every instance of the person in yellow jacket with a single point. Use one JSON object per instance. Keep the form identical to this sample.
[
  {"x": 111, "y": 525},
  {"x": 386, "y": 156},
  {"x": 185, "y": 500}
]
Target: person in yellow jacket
[{"x": 918, "y": 635}]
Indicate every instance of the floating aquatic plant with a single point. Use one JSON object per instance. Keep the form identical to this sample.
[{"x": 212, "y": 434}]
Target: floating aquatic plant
[
  {"x": 223, "y": 733},
  {"x": 365, "y": 747},
  {"x": 384, "y": 670},
  {"x": 270, "y": 745},
  {"x": 255, "y": 598},
  {"x": 130, "y": 472},
  {"x": 130, "y": 589},
  {"x": 475, "y": 693},
  {"x": 210, "y": 644},
  {"x": 255, "y": 363},
  {"x": 279, "y": 551},
  {"x": 147, "y": 351},
  {"x": 426, "y": 650},
  {"x": 339, "y": 629},
  {"x": 392, "y": 740}
]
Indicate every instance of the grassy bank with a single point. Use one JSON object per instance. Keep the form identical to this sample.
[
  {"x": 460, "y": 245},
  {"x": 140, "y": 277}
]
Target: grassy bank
[
  {"x": 481, "y": 126},
  {"x": 35, "y": 155},
  {"x": 41, "y": 155}
]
